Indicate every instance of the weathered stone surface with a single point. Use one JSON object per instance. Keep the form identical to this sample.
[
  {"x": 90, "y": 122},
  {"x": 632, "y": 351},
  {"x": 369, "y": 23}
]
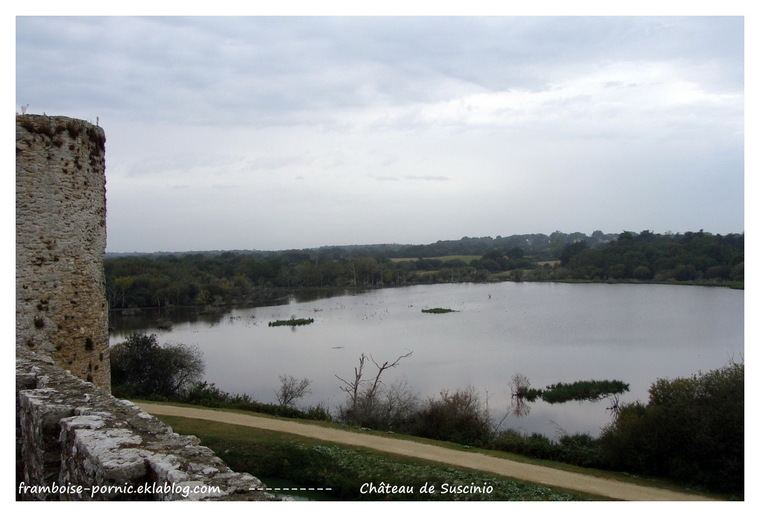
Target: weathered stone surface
[
  {"x": 74, "y": 441},
  {"x": 75, "y": 435},
  {"x": 60, "y": 242}
]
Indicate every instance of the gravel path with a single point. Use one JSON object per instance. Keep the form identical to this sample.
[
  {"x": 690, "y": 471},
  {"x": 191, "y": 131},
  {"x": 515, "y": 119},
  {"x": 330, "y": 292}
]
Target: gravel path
[{"x": 473, "y": 460}]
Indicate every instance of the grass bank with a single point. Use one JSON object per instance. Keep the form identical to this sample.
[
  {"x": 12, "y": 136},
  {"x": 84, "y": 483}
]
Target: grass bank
[
  {"x": 335, "y": 472},
  {"x": 286, "y": 453}
]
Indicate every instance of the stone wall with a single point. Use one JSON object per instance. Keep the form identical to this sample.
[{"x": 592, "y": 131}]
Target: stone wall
[
  {"x": 77, "y": 442},
  {"x": 61, "y": 306},
  {"x": 74, "y": 441}
]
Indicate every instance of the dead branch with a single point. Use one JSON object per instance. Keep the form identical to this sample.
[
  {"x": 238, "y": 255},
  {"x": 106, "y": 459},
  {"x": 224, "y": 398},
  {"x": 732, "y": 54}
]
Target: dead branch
[
  {"x": 380, "y": 369},
  {"x": 352, "y": 388}
]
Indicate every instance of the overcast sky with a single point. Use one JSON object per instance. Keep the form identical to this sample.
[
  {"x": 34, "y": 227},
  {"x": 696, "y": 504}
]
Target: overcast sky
[{"x": 277, "y": 133}]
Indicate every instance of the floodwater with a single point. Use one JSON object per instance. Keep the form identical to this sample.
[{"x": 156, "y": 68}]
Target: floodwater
[{"x": 547, "y": 332}]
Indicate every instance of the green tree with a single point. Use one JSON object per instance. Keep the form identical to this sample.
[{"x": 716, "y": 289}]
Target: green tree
[
  {"x": 685, "y": 272},
  {"x": 616, "y": 271},
  {"x": 737, "y": 273},
  {"x": 140, "y": 367},
  {"x": 642, "y": 273},
  {"x": 494, "y": 260},
  {"x": 571, "y": 250}
]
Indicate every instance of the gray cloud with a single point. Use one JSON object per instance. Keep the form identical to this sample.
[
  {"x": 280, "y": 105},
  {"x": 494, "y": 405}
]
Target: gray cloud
[
  {"x": 246, "y": 69},
  {"x": 528, "y": 124}
]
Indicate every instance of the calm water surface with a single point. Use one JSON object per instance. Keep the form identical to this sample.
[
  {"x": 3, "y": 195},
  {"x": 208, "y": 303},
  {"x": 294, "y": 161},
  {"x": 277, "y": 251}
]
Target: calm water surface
[{"x": 547, "y": 332}]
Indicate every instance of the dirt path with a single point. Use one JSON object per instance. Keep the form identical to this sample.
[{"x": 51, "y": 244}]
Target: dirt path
[{"x": 473, "y": 460}]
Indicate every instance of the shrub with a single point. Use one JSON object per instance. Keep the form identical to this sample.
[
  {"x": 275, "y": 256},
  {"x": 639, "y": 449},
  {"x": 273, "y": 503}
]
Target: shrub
[
  {"x": 692, "y": 429},
  {"x": 581, "y": 450},
  {"x": 372, "y": 404},
  {"x": 208, "y": 395},
  {"x": 577, "y": 449},
  {"x": 534, "y": 445},
  {"x": 393, "y": 408},
  {"x": 458, "y": 417}
]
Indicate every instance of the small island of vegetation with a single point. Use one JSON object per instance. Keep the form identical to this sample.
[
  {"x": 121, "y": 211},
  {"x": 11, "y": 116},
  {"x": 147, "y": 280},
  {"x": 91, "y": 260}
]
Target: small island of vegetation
[
  {"x": 293, "y": 322},
  {"x": 437, "y": 310},
  {"x": 578, "y": 391}
]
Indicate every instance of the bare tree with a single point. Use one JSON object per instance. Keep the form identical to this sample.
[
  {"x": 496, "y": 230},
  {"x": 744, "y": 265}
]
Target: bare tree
[
  {"x": 352, "y": 387},
  {"x": 363, "y": 394},
  {"x": 380, "y": 369},
  {"x": 291, "y": 389}
]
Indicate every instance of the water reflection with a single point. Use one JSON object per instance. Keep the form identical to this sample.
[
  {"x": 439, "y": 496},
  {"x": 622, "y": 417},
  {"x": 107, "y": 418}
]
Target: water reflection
[
  {"x": 126, "y": 321},
  {"x": 547, "y": 332}
]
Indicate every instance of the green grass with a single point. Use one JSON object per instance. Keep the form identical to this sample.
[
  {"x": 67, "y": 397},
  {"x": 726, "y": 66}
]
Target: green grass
[
  {"x": 348, "y": 471},
  {"x": 437, "y": 310},
  {"x": 214, "y": 435},
  {"x": 464, "y": 258}
]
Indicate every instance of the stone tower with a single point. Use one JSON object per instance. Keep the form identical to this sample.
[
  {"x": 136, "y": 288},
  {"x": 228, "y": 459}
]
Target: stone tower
[{"x": 61, "y": 308}]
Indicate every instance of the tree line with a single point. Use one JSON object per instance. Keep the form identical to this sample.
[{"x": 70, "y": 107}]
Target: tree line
[
  {"x": 693, "y": 256},
  {"x": 223, "y": 278}
]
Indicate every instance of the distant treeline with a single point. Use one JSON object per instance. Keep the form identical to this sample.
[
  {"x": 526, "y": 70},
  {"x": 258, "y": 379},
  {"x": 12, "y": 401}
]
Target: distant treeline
[
  {"x": 537, "y": 245},
  {"x": 226, "y": 277},
  {"x": 689, "y": 257}
]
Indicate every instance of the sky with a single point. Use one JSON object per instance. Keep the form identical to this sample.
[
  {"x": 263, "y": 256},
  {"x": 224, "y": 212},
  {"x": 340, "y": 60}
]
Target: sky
[{"x": 272, "y": 133}]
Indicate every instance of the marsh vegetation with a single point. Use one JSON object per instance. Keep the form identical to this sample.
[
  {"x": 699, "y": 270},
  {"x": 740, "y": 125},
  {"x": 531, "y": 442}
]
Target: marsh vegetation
[{"x": 293, "y": 322}]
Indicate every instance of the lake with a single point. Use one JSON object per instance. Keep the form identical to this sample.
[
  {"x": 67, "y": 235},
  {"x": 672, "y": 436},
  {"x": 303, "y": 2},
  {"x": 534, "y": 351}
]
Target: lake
[{"x": 549, "y": 332}]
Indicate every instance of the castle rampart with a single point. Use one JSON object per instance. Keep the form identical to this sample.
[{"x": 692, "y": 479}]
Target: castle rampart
[
  {"x": 74, "y": 441},
  {"x": 77, "y": 442}
]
